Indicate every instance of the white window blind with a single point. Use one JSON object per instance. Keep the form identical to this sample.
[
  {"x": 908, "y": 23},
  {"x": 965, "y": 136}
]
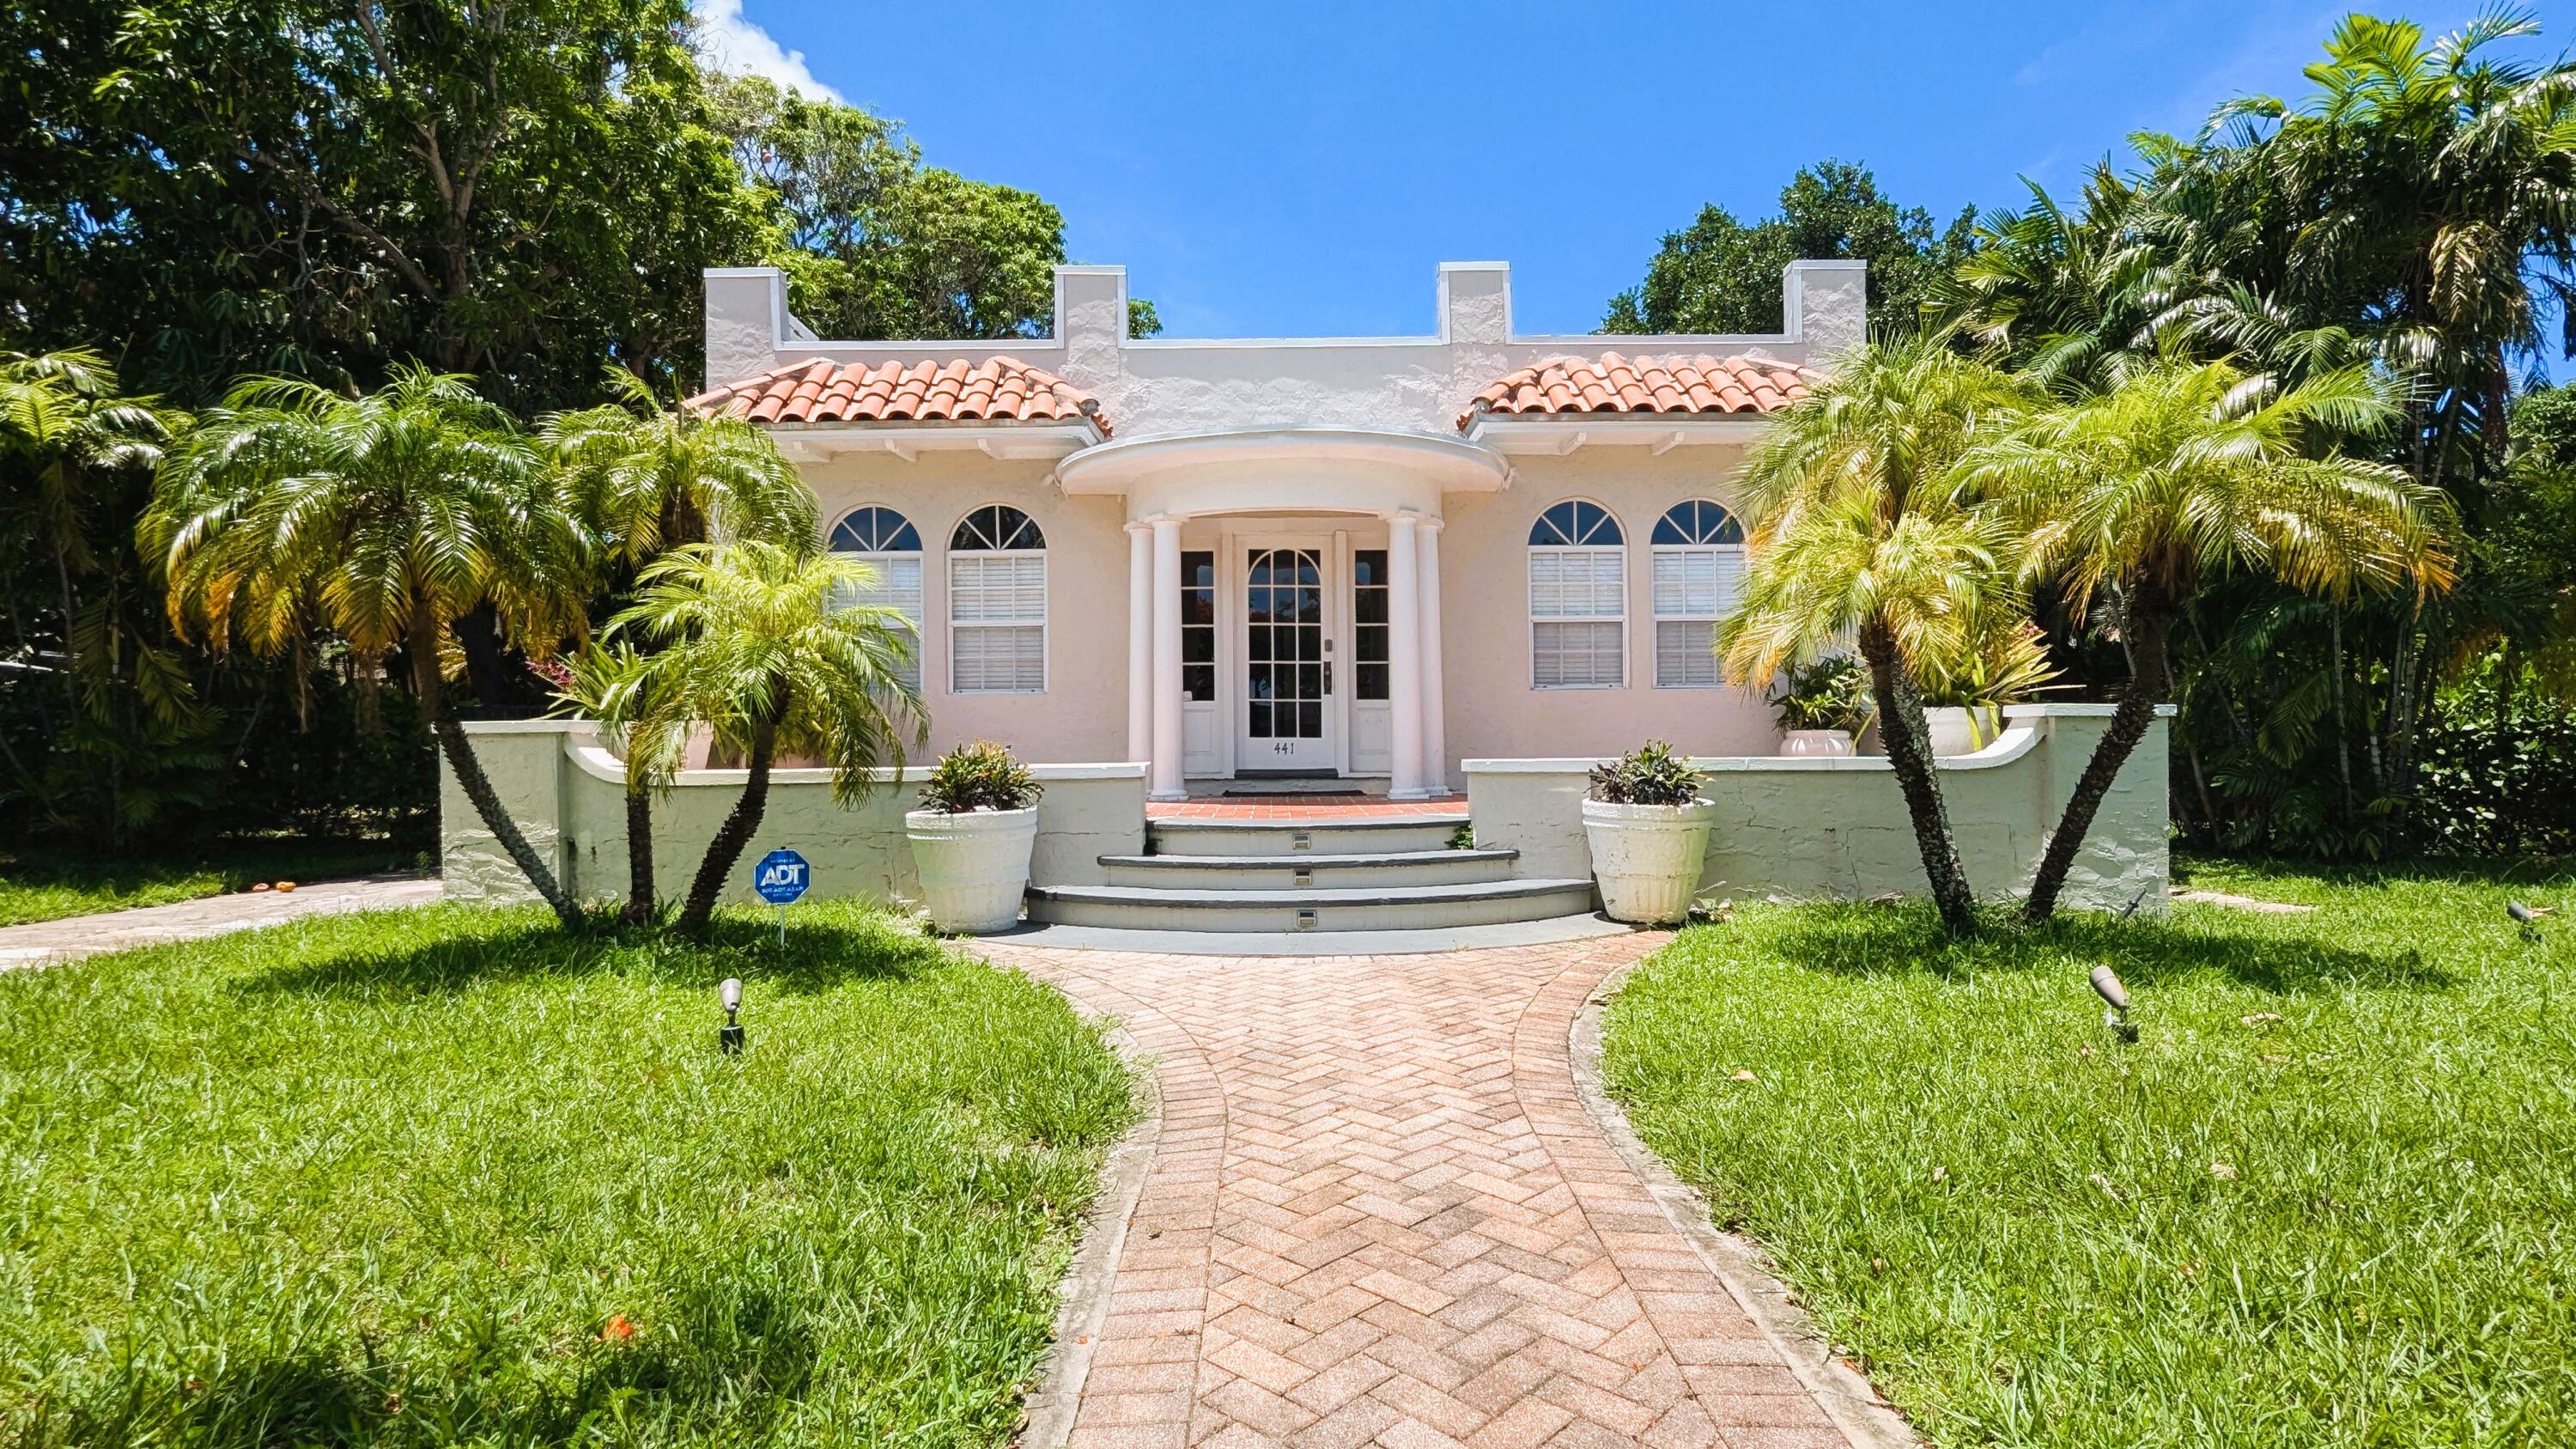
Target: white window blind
[
  {"x": 997, "y": 614},
  {"x": 1694, "y": 588},
  {"x": 1578, "y": 602},
  {"x": 898, "y": 587}
]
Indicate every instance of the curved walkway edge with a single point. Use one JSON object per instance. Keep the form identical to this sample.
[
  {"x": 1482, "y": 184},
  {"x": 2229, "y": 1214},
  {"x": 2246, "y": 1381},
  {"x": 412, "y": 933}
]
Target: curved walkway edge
[
  {"x": 42, "y": 943},
  {"x": 1386, "y": 1204}
]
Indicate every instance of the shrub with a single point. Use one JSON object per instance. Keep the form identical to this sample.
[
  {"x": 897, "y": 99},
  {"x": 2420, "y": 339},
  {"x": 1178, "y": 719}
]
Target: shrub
[
  {"x": 1650, "y": 774},
  {"x": 980, "y": 776},
  {"x": 1830, "y": 694},
  {"x": 2499, "y": 783}
]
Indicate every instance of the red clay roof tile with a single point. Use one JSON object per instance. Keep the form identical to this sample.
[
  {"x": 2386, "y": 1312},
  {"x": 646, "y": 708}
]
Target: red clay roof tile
[
  {"x": 999, "y": 389},
  {"x": 1612, "y": 383}
]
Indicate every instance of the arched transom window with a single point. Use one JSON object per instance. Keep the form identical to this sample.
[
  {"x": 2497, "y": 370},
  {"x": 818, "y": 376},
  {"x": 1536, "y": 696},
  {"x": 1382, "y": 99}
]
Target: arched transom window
[
  {"x": 997, "y": 603},
  {"x": 1578, "y": 598},
  {"x": 1699, "y": 573},
  {"x": 887, "y": 542}
]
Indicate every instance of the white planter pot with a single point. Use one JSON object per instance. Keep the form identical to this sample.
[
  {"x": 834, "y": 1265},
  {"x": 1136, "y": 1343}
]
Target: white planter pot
[
  {"x": 1800, "y": 744},
  {"x": 974, "y": 868},
  {"x": 1647, "y": 858},
  {"x": 1957, "y": 731}
]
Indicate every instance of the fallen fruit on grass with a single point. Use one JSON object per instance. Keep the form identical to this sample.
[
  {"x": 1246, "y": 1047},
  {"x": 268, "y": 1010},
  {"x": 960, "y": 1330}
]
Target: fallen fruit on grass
[
  {"x": 617, "y": 1329},
  {"x": 261, "y": 886},
  {"x": 286, "y": 885}
]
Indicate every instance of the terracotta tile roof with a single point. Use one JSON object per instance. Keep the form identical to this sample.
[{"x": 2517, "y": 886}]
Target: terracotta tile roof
[
  {"x": 1001, "y": 389},
  {"x": 1611, "y": 383}
]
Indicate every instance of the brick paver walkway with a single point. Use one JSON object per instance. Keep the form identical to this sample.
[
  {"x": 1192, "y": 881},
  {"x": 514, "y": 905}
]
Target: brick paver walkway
[
  {"x": 43, "y": 942},
  {"x": 1379, "y": 1214}
]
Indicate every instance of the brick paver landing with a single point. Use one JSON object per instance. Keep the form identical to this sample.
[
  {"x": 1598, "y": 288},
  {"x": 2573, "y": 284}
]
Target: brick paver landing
[{"x": 1379, "y": 1214}]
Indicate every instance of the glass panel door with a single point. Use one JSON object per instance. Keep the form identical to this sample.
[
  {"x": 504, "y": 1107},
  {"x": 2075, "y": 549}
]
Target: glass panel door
[{"x": 1286, "y": 676}]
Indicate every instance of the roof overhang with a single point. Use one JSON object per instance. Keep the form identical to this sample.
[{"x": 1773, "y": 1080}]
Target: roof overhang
[
  {"x": 1519, "y": 435},
  {"x": 1318, "y": 470},
  {"x": 822, "y": 442}
]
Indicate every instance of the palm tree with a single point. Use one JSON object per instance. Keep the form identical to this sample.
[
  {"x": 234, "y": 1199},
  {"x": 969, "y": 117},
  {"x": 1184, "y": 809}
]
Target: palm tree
[
  {"x": 613, "y": 684},
  {"x": 63, "y": 422},
  {"x": 2188, "y": 471},
  {"x": 382, "y": 519},
  {"x": 1861, "y": 530},
  {"x": 753, "y": 645},
  {"x": 646, "y": 479}
]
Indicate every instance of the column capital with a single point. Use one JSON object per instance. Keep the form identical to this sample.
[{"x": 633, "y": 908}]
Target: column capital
[{"x": 1429, "y": 523}]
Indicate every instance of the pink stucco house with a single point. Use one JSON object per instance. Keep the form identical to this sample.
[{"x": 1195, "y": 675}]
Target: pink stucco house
[{"x": 1368, "y": 558}]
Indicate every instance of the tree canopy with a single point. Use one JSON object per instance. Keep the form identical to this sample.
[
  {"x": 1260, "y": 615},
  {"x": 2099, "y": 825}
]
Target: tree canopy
[{"x": 1722, "y": 275}]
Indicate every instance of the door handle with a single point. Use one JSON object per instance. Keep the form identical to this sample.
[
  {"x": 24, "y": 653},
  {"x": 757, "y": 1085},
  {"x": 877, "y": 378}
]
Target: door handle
[{"x": 1328, "y": 679}]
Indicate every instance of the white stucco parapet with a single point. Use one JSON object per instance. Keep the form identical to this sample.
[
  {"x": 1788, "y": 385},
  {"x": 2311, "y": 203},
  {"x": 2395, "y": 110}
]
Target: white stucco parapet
[{"x": 1172, "y": 386}]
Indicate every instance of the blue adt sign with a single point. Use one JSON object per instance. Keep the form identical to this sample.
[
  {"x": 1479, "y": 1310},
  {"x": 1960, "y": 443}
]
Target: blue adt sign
[{"x": 782, "y": 876}]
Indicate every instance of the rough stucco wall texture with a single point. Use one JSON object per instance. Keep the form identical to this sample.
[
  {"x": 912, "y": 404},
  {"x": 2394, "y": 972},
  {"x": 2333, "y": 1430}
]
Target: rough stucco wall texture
[
  {"x": 577, "y": 808},
  {"x": 1816, "y": 829}
]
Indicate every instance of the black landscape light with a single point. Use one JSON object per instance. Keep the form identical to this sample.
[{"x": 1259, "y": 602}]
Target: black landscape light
[
  {"x": 2527, "y": 917},
  {"x": 729, "y": 1035},
  {"x": 2106, "y": 984}
]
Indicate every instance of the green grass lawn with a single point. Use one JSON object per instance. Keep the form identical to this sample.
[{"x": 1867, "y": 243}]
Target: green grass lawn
[
  {"x": 41, "y": 886},
  {"x": 446, "y": 1176},
  {"x": 2329, "y": 1198}
]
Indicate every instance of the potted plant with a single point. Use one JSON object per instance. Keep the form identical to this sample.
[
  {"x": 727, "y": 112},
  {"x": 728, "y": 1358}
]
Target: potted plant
[
  {"x": 1824, "y": 708},
  {"x": 1964, "y": 699},
  {"x": 972, "y": 837},
  {"x": 1648, "y": 830}
]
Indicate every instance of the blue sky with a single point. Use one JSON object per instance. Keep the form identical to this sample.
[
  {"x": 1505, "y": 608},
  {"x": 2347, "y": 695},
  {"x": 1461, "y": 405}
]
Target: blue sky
[{"x": 1300, "y": 169}]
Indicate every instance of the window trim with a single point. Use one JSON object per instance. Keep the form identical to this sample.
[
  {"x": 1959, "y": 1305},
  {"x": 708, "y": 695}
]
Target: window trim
[
  {"x": 1046, "y": 602},
  {"x": 1659, "y": 550},
  {"x": 878, "y": 559},
  {"x": 1529, "y": 602}
]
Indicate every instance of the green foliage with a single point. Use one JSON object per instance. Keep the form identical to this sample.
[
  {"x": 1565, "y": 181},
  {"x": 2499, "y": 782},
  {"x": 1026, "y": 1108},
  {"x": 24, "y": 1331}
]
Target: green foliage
[
  {"x": 875, "y": 244},
  {"x": 212, "y": 187},
  {"x": 1721, "y": 275},
  {"x": 980, "y": 776},
  {"x": 2005, "y": 662},
  {"x": 1650, "y": 774},
  {"x": 442, "y": 1175},
  {"x": 2500, "y": 773},
  {"x": 2322, "y": 1202},
  {"x": 1831, "y": 693},
  {"x": 644, "y": 476}
]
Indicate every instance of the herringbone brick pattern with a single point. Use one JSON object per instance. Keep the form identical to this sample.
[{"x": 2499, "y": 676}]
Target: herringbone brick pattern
[{"x": 1380, "y": 1215}]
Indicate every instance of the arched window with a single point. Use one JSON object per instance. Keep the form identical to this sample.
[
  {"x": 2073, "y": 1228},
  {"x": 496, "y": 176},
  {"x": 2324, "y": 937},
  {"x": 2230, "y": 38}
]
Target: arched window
[
  {"x": 1699, "y": 573},
  {"x": 887, "y": 542},
  {"x": 1578, "y": 598},
  {"x": 997, "y": 603}
]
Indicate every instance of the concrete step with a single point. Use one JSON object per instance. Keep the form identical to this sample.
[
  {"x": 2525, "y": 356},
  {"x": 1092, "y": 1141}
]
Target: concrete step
[
  {"x": 1356, "y": 835},
  {"x": 1320, "y": 872},
  {"x": 1393, "y": 908}
]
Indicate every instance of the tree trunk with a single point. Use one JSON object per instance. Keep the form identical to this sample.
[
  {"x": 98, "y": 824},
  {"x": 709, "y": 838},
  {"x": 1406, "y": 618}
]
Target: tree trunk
[
  {"x": 639, "y": 855},
  {"x": 1909, "y": 751},
  {"x": 450, "y": 734},
  {"x": 735, "y": 833},
  {"x": 2148, "y": 621}
]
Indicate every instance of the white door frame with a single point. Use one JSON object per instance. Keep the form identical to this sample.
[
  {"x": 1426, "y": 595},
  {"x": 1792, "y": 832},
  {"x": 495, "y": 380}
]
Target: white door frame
[{"x": 1233, "y": 580}]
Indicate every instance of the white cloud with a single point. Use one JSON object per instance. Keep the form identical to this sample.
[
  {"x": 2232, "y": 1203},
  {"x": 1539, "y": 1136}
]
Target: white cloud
[{"x": 731, "y": 43}]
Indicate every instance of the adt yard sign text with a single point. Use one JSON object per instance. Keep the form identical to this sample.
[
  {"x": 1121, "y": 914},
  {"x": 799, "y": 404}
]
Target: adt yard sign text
[{"x": 781, "y": 877}]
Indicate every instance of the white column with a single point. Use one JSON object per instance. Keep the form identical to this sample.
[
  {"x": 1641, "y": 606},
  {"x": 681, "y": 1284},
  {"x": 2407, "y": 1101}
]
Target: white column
[
  {"x": 1140, "y": 642},
  {"x": 1167, "y": 660},
  {"x": 1435, "y": 727},
  {"x": 1404, "y": 656}
]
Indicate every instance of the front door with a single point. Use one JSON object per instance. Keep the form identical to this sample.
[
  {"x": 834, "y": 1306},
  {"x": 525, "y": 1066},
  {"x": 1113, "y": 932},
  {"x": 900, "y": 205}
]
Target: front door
[{"x": 1287, "y": 675}]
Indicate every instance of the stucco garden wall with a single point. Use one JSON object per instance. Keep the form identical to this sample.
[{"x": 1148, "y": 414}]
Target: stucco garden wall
[
  {"x": 566, "y": 791},
  {"x": 1814, "y": 828}
]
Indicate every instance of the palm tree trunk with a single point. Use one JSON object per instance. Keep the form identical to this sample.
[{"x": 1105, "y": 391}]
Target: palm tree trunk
[
  {"x": 450, "y": 735},
  {"x": 735, "y": 833},
  {"x": 2147, "y": 624},
  {"x": 639, "y": 854},
  {"x": 1909, "y": 751}
]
